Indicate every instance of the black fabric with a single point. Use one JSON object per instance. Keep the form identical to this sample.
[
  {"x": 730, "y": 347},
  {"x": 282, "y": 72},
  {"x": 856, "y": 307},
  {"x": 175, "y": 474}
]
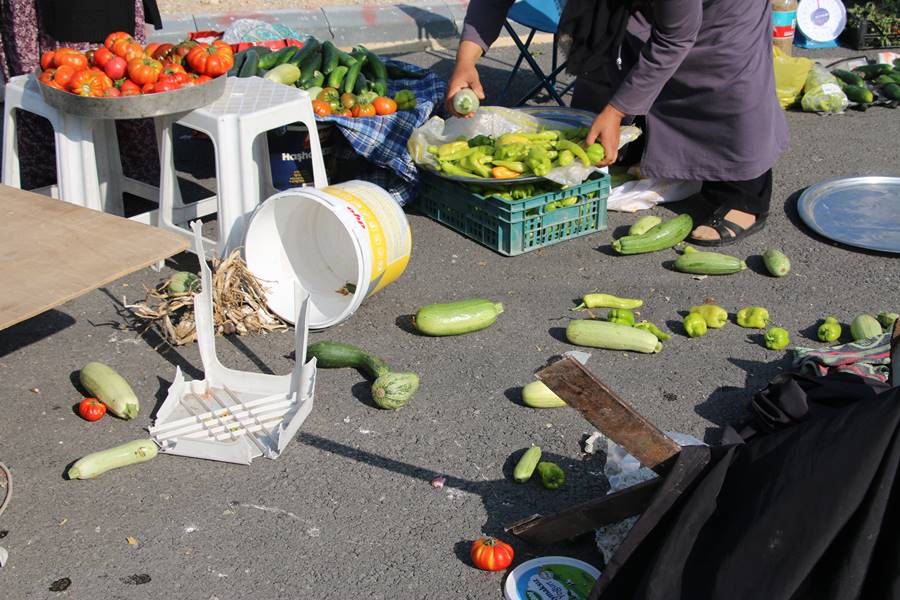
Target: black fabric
[
  {"x": 807, "y": 511},
  {"x": 591, "y": 32},
  {"x": 752, "y": 196},
  {"x": 92, "y": 20}
]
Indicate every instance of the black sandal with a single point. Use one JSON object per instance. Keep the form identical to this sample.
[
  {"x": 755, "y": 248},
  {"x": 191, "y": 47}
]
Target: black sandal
[{"x": 729, "y": 231}]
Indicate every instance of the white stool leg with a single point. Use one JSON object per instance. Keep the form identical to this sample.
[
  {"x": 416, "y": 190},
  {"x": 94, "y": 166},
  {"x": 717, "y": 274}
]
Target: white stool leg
[
  {"x": 169, "y": 194},
  {"x": 69, "y": 133},
  {"x": 109, "y": 166},
  {"x": 12, "y": 174},
  {"x": 231, "y": 183}
]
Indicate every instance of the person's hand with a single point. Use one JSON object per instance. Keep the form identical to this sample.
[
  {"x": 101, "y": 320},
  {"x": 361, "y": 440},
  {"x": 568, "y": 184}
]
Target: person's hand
[
  {"x": 605, "y": 129},
  {"x": 465, "y": 75}
]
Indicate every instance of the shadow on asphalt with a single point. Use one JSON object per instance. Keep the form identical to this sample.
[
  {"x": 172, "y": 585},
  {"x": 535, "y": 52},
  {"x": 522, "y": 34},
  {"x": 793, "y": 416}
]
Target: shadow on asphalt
[
  {"x": 33, "y": 330},
  {"x": 432, "y": 26}
]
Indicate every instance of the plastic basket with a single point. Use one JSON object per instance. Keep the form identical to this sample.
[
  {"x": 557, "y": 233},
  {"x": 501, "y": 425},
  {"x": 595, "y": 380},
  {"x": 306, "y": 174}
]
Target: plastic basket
[{"x": 512, "y": 228}]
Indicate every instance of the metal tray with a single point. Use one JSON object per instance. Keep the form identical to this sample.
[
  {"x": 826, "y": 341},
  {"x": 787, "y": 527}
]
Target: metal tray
[
  {"x": 858, "y": 211},
  {"x": 134, "y": 107},
  {"x": 567, "y": 117}
]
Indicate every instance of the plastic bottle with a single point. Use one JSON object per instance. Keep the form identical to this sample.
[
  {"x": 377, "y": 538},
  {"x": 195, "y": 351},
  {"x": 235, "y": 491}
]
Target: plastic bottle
[{"x": 784, "y": 23}]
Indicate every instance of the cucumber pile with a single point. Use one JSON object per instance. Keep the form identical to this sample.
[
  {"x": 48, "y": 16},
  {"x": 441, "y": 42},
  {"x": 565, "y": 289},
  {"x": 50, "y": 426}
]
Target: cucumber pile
[
  {"x": 319, "y": 65},
  {"x": 860, "y": 83}
]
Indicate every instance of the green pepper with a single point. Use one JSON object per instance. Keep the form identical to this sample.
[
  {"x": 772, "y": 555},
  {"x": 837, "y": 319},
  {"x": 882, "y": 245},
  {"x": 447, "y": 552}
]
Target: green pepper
[
  {"x": 622, "y": 316},
  {"x": 575, "y": 149},
  {"x": 516, "y": 166},
  {"x": 829, "y": 330},
  {"x": 458, "y": 155},
  {"x": 405, "y": 99},
  {"x": 715, "y": 316},
  {"x": 457, "y": 171},
  {"x": 608, "y": 301},
  {"x": 511, "y": 152},
  {"x": 887, "y": 320},
  {"x": 753, "y": 317},
  {"x": 648, "y": 326},
  {"x": 542, "y": 136},
  {"x": 777, "y": 338},
  {"x": 451, "y": 148},
  {"x": 596, "y": 153},
  {"x": 538, "y": 162},
  {"x": 476, "y": 162},
  {"x": 695, "y": 325},
  {"x": 552, "y": 475},
  {"x": 565, "y": 158},
  {"x": 481, "y": 140}
]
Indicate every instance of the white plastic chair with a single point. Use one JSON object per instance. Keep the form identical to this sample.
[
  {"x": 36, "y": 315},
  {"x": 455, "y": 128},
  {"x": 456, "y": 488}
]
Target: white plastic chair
[{"x": 236, "y": 123}]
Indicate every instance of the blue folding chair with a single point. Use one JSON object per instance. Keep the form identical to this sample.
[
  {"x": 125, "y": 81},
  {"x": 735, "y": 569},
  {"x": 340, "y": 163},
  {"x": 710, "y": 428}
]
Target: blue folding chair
[{"x": 543, "y": 16}]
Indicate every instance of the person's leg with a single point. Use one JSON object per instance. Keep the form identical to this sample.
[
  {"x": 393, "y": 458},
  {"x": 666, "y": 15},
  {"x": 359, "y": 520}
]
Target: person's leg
[{"x": 737, "y": 209}]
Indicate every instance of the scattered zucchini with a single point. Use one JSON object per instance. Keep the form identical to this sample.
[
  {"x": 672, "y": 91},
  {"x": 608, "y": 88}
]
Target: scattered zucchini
[
  {"x": 611, "y": 336},
  {"x": 103, "y": 383},
  {"x": 848, "y": 77},
  {"x": 859, "y": 94},
  {"x": 183, "y": 282},
  {"x": 776, "y": 262},
  {"x": 662, "y": 236},
  {"x": 97, "y": 463},
  {"x": 527, "y": 464},
  {"x": 891, "y": 91},
  {"x": 537, "y": 395},
  {"x": 864, "y": 326},
  {"x": 708, "y": 263},
  {"x": 456, "y": 318},
  {"x": 286, "y": 74},
  {"x": 329, "y": 57},
  {"x": 644, "y": 224}
]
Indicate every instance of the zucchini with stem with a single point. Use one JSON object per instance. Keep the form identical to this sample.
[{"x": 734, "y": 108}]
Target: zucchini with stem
[{"x": 95, "y": 464}]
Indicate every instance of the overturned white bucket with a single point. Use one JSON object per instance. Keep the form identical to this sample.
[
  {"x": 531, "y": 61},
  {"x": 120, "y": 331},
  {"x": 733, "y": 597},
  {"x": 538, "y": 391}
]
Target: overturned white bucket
[{"x": 339, "y": 244}]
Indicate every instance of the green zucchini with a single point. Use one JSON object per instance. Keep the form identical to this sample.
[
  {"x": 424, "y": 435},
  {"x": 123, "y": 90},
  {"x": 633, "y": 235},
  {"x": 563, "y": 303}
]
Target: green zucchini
[
  {"x": 396, "y": 72},
  {"x": 865, "y": 326},
  {"x": 537, "y": 395},
  {"x": 891, "y": 91},
  {"x": 286, "y": 74},
  {"x": 311, "y": 63},
  {"x": 361, "y": 86},
  {"x": 344, "y": 58},
  {"x": 662, "y": 236},
  {"x": 239, "y": 59},
  {"x": 329, "y": 57},
  {"x": 776, "y": 262},
  {"x": 527, "y": 464},
  {"x": 859, "y": 94},
  {"x": 644, "y": 224},
  {"x": 873, "y": 71},
  {"x": 848, "y": 77},
  {"x": 309, "y": 47},
  {"x": 97, "y": 463},
  {"x": 318, "y": 79},
  {"x": 336, "y": 77},
  {"x": 353, "y": 75},
  {"x": 334, "y": 355},
  {"x": 393, "y": 390},
  {"x": 110, "y": 388},
  {"x": 455, "y": 318},
  {"x": 279, "y": 57},
  {"x": 374, "y": 64},
  {"x": 611, "y": 336},
  {"x": 708, "y": 263},
  {"x": 250, "y": 67}
]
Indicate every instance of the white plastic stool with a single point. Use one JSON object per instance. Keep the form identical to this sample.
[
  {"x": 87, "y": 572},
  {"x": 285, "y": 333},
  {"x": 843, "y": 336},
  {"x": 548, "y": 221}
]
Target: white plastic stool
[{"x": 236, "y": 123}]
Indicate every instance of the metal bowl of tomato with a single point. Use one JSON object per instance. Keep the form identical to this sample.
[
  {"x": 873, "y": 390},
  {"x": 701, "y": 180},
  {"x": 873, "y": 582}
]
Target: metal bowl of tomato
[{"x": 140, "y": 105}]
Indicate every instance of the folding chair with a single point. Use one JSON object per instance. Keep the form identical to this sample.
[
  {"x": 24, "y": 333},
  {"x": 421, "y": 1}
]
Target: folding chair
[{"x": 543, "y": 16}]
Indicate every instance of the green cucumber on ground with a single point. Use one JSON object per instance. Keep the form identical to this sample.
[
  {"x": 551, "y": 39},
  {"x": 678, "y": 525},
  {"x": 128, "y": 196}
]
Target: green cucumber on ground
[
  {"x": 662, "y": 236},
  {"x": 456, "y": 318},
  {"x": 250, "y": 66},
  {"x": 611, "y": 336},
  {"x": 891, "y": 91},
  {"x": 776, "y": 262},
  {"x": 527, "y": 464},
  {"x": 859, "y": 94},
  {"x": 329, "y": 57},
  {"x": 848, "y": 77},
  {"x": 873, "y": 71},
  {"x": 708, "y": 263}
]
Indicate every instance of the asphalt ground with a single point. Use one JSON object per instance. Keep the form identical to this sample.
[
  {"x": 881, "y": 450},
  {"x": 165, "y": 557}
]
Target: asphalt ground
[{"x": 348, "y": 511}]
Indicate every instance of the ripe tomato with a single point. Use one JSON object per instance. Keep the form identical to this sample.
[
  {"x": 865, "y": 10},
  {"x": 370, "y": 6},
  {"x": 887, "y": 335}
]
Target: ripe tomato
[
  {"x": 112, "y": 92},
  {"x": 112, "y": 38},
  {"x": 166, "y": 84},
  {"x": 129, "y": 88},
  {"x": 344, "y": 113},
  {"x": 144, "y": 70},
  {"x": 47, "y": 59},
  {"x": 151, "y": 48},
  {"x": 87, "y": 83},
  {"x": 115, "y": 67},
  {"x": 91, "y": 409},
  {"x": 161, "y": 51},
  {"x": 321, "y": 108},
  {"x": 68, "y": 56},
  {"x": 211, "y": 60},
  {"x": 60, "y": 76},
  {"x": 384, "y": 106},
  {"x": 363, "y": 110},
  {"x": 491, "y": 554},
  {"x": 203, "y": 79},
  {"x": 127, "y": 49},
  {"x": 102, "y": 56},
  {"x": 148, "y": 88}
]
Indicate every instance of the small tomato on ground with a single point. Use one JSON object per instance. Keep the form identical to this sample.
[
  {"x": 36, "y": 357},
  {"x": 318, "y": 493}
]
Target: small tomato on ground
[
  {"x": 91, "y": 409},
  {"x": 491, "y": 554}
]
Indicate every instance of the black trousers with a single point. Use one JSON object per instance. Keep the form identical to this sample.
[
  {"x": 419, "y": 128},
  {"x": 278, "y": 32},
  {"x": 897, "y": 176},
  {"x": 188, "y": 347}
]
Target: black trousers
[{"x": 752, "y": 196}]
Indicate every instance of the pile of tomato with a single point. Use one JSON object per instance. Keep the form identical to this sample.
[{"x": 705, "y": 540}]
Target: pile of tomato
[{"x": 122, "y": 67}]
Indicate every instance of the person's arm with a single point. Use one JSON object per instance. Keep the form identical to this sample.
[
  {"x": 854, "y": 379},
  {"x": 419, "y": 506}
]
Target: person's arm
[
  {"x": 674, "y": 32},
  {"x": 484, "y": 20}
]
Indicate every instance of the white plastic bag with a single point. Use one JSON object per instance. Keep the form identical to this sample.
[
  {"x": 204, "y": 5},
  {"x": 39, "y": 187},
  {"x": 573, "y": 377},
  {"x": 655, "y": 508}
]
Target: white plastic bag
[
  {"x": 252, "y": 30},
  {"x": 640, "y": 194}
]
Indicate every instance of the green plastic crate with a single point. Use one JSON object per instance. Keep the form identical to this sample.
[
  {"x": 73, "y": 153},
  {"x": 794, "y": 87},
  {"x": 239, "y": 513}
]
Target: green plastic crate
[{"x": 512, "y": 228}]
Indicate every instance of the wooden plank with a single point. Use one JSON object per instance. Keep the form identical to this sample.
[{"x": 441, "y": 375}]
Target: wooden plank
[
  {"x": 587, "y": 516},
  {"x": 54, "y": 251},
  {"x": 580, "y": 389}
]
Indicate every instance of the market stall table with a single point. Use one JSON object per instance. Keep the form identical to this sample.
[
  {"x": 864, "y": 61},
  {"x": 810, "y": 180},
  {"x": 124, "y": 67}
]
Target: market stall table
[{"x": 55, "y": 251}]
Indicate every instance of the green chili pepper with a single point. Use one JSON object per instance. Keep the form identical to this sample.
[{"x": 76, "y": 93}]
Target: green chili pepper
[
  {"x": 596, "y": 153},
  {"x": 542, "y": 136},
  {"x": 450, "y": 148},
  {"x": 622, "y": 316},
  {"x": 753, "y": 317},
  {"x": 695, "y": 325},
  {"x": 575, "y": 149},
  {"x": 458, "y": 155},
  {"x": 715, "y": 316},
  {"x": 516, "y": 166},
  {"x": 608, "y": 301},
  {"x": 454, "y": 169},
  {"x": 552, "y": 475},
  {"x": 538, "y": 161},
  {"x": 777, "y": 338},
  {"x": 511, "y": 152},
  {"x": 829, "y": 330},
  {"x": 648, "y": 326},
  {"x": 565, "y": 158}
]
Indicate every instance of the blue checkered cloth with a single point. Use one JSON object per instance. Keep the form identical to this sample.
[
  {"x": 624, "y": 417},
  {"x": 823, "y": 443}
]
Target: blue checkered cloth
[{"x": 382, "y": 141}]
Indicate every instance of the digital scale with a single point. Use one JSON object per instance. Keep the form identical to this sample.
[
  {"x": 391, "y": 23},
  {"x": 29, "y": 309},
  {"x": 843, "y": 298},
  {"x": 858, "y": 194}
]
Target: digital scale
[{"x": 819, "y": 23}]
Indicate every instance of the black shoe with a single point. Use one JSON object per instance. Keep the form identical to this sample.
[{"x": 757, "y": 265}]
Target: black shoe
[{"x": 729, "y": 231}]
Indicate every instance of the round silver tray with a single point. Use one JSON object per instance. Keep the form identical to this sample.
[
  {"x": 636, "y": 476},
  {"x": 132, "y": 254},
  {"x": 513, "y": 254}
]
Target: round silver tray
[
  {"x": 568, "y": 117},
  {"x": 134, "y": 107}
]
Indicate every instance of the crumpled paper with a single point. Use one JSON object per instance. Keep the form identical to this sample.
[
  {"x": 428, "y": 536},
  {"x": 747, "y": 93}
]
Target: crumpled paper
[{"x": 494, "y": 121}]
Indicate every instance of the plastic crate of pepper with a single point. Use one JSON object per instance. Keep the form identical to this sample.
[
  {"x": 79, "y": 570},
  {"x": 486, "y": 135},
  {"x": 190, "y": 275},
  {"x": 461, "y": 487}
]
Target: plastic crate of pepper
[{"x": 516, "y": 219}]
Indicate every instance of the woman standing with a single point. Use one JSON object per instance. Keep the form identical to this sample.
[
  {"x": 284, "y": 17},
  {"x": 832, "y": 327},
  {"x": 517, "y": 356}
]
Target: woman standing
[
  {"x": 30, "y": 27},
  {"x": 701, "y": 74}
]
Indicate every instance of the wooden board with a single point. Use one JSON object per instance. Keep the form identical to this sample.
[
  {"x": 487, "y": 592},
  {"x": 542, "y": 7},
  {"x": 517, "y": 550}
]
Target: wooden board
[{"x": 54, "y": 251}]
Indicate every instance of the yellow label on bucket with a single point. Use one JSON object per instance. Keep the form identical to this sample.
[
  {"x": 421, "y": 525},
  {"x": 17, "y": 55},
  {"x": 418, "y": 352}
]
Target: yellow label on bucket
[{"x": 390, "y": 244}]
